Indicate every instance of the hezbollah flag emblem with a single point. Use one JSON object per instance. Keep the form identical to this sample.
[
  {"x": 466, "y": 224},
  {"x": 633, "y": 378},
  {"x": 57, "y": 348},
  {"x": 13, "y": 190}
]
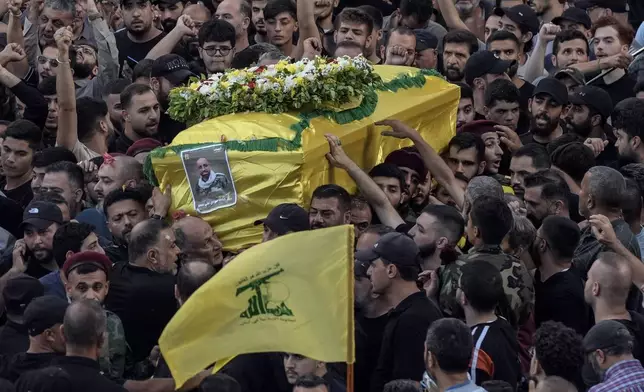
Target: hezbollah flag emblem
[{"x": 291, "y": 294}]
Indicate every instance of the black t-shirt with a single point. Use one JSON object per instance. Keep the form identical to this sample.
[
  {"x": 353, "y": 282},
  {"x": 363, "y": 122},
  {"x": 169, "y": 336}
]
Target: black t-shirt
[
  {"x": 401, "y": 353},
  {"x": 85, "y": 375},
  {"x": 496, "y": 353},
  {"x": 131, "y": 53},
  {"x": 561, "y": 298},
  {"x": 21, "y": 195},
  {"x": 525, "y": 93},
  {"x": 619, "y": 90},
  {"x": 527, "y": 138},
  {"x": 144, "y": 301},
  {"x": 373, "y": 330},
  {"x": 24, "y": 362},
  {"x": 636, "y": 327},
  {"x": 120, "y": 144},
  {"x": 13, "y": 339}
]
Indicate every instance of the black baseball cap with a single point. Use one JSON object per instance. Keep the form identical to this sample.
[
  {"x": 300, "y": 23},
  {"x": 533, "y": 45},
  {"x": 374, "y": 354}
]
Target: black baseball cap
[
  {"x": 425, "y": 40},
  {"x": 172, "y": 67},
  {"x": 20, "y": 291},
  {"x": 576, "y": 15},
  {"x": 606, "y": 334},
  {"x": 41, "y": 214},
  {"x": 286, "y": 218},
  {"x": 553, "y": 87},
  {"x": 43, "y": 313},
  {"x": 595, "y": 98},
  {"x": 396, "y": 248},
  {"x": 521, "y": 14},
  {"x": 482, "y": 63},
  {"x": 572, "y": 73},
  {"x": 619, "y": 6},
  {"x": 360, "y": 269}
]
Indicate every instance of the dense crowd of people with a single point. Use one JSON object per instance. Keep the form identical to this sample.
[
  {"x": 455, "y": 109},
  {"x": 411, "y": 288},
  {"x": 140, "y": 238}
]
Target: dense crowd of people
[{"x": 509, "y": 260}]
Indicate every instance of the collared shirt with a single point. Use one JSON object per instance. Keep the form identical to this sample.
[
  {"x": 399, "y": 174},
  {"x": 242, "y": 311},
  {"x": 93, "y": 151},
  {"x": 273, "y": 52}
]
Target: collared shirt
[
  {"x": 624, "y": 376},
  {"x": 401, "y": 353}
]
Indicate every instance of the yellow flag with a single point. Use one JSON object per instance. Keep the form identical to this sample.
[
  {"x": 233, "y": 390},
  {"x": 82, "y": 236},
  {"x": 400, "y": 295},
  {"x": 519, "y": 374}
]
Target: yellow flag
[{"x": 291, "y": 294}]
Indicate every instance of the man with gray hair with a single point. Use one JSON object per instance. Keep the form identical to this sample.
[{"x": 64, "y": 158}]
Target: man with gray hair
[
  {"x": 609, "y": 348},
  {"x": 602, "y": 192},
  {"x": 481, "y": 186}
]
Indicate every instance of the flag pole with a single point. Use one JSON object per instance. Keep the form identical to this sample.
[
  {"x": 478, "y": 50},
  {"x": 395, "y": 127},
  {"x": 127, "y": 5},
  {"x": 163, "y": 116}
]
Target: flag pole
[
  {"x": 350, "y": 327},
  {"x": 350, "y": 377}
]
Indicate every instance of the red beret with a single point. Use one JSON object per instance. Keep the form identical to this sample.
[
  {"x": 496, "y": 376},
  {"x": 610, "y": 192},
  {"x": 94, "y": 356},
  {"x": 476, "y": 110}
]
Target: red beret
[
  {"x": 478, "y": 127},
  {"x": 95, "y": 258},
  {"x": 410, "y": 158},
  {"x": 143, "y": 145}
]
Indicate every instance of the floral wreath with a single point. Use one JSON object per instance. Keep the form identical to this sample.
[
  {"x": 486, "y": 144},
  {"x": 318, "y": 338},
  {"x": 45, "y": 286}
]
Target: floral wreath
[{"x": 282, "y": 87}]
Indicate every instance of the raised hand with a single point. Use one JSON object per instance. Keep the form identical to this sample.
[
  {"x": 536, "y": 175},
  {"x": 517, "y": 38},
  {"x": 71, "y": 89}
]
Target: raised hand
[
  {"x": 13, "y": 52},
  {"x": 64, "y": 37},
  {"x": 336, "y": 155},
  {"x": 398, "y": 129}
]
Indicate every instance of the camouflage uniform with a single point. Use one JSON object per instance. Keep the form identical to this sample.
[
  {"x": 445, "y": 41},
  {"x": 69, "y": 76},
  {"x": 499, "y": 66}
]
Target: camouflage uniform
[
  {"x": 517, "y": 282},
  {"x": 112, "y": 359}
]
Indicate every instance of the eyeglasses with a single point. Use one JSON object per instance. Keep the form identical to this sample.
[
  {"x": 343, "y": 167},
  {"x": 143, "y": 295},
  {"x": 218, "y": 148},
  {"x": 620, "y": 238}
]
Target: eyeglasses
[
  {"x": 211, "y": 51},
  {"x": 52, "y": 62}
]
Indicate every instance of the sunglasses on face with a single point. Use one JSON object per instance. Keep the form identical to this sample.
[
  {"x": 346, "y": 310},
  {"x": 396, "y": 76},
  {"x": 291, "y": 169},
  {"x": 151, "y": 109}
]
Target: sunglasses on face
[{"x": 52, "y": 62}]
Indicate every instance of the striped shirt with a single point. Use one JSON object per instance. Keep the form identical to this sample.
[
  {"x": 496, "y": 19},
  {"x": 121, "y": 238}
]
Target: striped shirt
[{"x": 624, "y": 376}]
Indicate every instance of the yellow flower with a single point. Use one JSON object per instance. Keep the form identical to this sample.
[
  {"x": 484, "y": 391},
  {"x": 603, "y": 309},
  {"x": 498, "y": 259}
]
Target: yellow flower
[
  {"x": 194, "y": 86},
  {"x": 291, "y": 68}
]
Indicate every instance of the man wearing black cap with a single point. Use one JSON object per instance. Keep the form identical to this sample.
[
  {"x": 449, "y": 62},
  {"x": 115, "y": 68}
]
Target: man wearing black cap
[
  {"x": 574, "y": 18},
  {"x": 426, "y": 49},
  {"x": 546, "y": 106},
  {"x": 591, "y": 108},
  {"x": 168, "y": 71},
  {"x": 17, "y": 295},
  {"x": 139, "y": 35},
  {"x": 609, "y": 348},
  {"x": 572, "y": 78},
  {"x": 33, "y": 254},
  {"x": 394, "y": 267},
  {"x": 523, "y": 22},
  {"x": 481, "y": 69},
  {"x": 43, "y": 318},
  {"x": 283, "y": 219},
  {"x": 597, "y": 9}
]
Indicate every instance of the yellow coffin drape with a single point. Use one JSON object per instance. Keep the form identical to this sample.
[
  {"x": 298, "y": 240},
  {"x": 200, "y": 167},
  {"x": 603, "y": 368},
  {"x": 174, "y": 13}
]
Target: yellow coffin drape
[
  {"x": 264, "y": 179},
  {"x": 291, "y": 294}
]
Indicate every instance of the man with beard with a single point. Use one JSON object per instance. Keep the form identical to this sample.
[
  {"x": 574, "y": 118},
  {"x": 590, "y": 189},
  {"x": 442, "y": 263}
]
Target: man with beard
[
  {"x": 546, "y": 107},
  {"x": 183, "y": 38},
  {"x": 610, "y": 39},
  {"x": 458, "y": 46},
  {"x": 409, "y": 161},
  {"x": 170, "y": 11},
  {"x": 67, "y": 180},
  {"x": 371, "y": 52},
  {"x": 47, "y": 88},
  {"x": 33, "y": 254},
  {"x": 526, "y": 160},
  {"x": 112, "y": 97},
  {"x": 138, "y": 37},
  {"x": 257, "y": 12},
  {"x": 591, "y": 107},
  {"x": 488, "y": 222},
  {"x": 168, "y": 71},
  {"x": 558, "y": 290},
  {"x": 628, "y": 118},
  {"x": 465, "y": 155},
  {"x": 506, "y": 46},
  {"x": 237, "y": 13},
  {"x": 330, "y": 206},
  {"x": 436, "y": 233},
  {"x": 141, "y": 116},
  {"x": 610, "y": 347},
  {"x": 123, "y": 210},
  {"x": 353, "y": 24},
  {"x": 481, "y": 69},
  {"x": 545, "y": 197}
]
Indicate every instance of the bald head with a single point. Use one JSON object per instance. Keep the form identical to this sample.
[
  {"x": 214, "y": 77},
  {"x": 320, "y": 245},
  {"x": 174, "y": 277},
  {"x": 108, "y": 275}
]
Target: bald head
[
  {"x": 198, "y": 12},
  {"x": 614, "y": 276},
  {"x": 84, "y": 325},
  {"x": 197, "y": 240},
  {"x": 191, "y": 276},
  {"x": 555, "y": 384}
]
